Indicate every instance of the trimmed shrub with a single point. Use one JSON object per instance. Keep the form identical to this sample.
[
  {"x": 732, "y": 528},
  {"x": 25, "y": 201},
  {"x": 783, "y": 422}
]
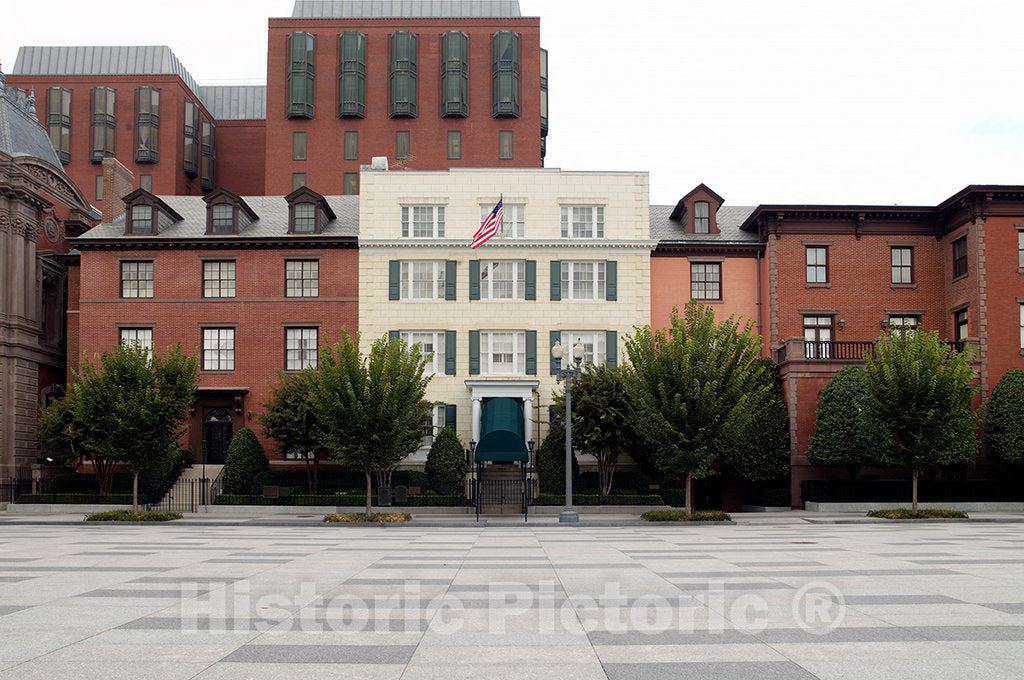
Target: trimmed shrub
[
  {"x": 551, "y": 461},
  {"x": 245, "y": 460},
  {"x": 845, "y": 431},
  {"x": 681, "y": 516},
  {"x": 1004, "y": 421},
  {"x": 446, "y": 461},
  {"x": 776, "y": 497},
  {"x": 923, "y": 513},
  {"x": 597, "y": 499},
  {"x": 378, "y": 517},
  {"x": 761, "y": 452},
  {"x": 130, "y": 516}
]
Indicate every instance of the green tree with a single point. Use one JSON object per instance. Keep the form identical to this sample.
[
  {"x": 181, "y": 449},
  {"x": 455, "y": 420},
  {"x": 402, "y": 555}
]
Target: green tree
[
  {"x": 695, "y": 387},
  {"x": 846, "y": 431},
  {"x": 371, "y": 410},
  {"x": 446, "y": 461},
  {"x": 1004, "y": 421},
  {"x": 921, "y": 394},
  {"x": 130, "y": 407},
  {"x": 602, "y": 423},
  {"x": 290, "y": 419},
  {"x": 245, "y": 460},
  {"x": 761, "y": 452},
  {"x": 551, "y": 459},
  {"x": 56, "y": 433}
]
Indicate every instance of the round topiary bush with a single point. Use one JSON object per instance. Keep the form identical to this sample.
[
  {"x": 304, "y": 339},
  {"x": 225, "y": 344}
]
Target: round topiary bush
[
  {"x": 446, "y": 461},
  {"x": 845, "y": 431},
  {"x": 1004, "y": 421},
  {"x": 245, "y": 460},
  {"x": 551, "y": 462}
]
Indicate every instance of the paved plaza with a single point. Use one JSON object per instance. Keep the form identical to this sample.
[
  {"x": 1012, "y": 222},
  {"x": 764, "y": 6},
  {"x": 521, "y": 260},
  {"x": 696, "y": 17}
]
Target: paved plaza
[{"x": 771, "y": 600}]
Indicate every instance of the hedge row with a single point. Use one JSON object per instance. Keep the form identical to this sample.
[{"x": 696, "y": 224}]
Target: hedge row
[
  {"x": 596, "y": 499},
  {"x": 344, "y": 500},
  {"x": 75, "y": 498}
]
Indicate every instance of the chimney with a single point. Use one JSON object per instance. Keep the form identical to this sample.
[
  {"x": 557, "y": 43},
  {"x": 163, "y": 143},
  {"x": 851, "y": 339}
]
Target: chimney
[{"x": 117, "y": 183}]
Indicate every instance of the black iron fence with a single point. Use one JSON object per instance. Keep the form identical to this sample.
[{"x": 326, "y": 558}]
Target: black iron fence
[
  {"x": 189, "y": 495},
  {"x": 898, "y": 490}
]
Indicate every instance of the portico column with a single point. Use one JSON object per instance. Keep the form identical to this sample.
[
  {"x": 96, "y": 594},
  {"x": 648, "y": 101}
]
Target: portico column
[
  {"x": 476, "y": 419},
  {"x": 527, "y": 420}
]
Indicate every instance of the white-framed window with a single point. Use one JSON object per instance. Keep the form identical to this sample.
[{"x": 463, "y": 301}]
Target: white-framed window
[
  {"x": 817, "y": 264},
  {"x": 583, "y": 280},
  {"x": 503, "y": 280},
  {"x": 422, "y": 221},
  {"x": 431, "y": 346},
  {"x": 140, "y": 337},
  {"x": 1022, "y": 326},
  {"x": 432, "y": 424},
  {"x": 901, "y": 324},
  {"x": 422, "y": 279},
  {"x": 1020, "y": 248},
  {"x": 300, "y": 348},
  {"x": 218, "y": 349},
  {"x": 137, "y": 279},
  {"x": 302, "y": 278},
  {"x": 502, "y": 352},
  {"x": 513, "y": 220},
  {"x": 594, "y": 349},
  {"x": 219, "y": 279},
  {"x": 582, "y": 221},
  {"x": 818, "y": 337}
]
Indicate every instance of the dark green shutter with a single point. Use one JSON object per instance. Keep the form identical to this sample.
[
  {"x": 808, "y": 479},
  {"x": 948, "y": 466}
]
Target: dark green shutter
[
  {"x": 611, "y": 273},
  {"x": 531, "y": 352},
  {"x": 449, "y": 280},
  {"x": 554, "y": 336},
  {"x": 531, "y": 280},
  {"x": 394, "y": 335},
  {"x": 611, "y": 348},
  {"x": 394, "y": 280},
  {"x": 556, "y": 280},
  {"x": 474, "y": 352},
  {"x": 449, "y": 416},
  {"x": 474, "y": 279},
  {"x": 449, "y": 353}
]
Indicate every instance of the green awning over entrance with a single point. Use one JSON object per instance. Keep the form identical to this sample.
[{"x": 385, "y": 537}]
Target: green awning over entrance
[{"x": 502, "y": 432}]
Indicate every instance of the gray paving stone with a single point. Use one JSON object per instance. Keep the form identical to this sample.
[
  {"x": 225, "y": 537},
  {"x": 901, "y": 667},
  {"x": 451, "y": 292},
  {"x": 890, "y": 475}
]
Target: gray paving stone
[
  {"x": 363, "y": 654},
  {"x": 722, "y": 670}
]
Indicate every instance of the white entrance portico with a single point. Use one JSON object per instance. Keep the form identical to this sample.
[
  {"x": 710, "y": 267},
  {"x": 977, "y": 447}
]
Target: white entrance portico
[{"x": 513, "y": 389}]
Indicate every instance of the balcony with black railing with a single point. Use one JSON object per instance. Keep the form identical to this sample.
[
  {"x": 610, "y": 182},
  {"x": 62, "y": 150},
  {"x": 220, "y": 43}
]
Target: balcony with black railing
[{"x": 838, "y": 351}]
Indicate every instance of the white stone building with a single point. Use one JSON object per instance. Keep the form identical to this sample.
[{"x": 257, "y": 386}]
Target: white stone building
[{"x": 571, "y": 263}]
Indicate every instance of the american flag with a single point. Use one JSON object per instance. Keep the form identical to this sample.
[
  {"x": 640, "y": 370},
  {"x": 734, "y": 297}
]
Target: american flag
[{"x": 490, "y": 226}]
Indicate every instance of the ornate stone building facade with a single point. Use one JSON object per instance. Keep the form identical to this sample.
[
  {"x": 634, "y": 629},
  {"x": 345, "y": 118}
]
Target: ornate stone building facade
[{"x": 39, "y": 208}]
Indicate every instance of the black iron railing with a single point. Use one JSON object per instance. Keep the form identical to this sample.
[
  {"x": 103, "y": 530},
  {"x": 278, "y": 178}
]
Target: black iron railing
[{"x": 845, "y": 350}]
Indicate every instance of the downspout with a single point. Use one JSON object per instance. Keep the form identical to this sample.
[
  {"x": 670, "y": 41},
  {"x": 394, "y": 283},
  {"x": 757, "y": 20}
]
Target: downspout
[{"x": 760, "y": 330}]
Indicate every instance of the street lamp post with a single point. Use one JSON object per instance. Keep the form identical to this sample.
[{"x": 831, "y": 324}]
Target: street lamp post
[{"x": 569, "y": 374}]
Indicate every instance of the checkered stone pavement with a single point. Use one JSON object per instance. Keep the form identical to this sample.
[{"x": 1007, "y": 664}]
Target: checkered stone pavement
[{"x": 775, "y": 601}]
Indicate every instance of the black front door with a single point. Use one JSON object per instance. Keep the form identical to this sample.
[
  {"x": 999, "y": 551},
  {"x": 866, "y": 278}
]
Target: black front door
[{"x": 217, "y": 435}]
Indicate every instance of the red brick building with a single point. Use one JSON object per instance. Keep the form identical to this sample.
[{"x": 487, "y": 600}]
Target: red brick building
[
  {"x": 250, "y": 285},
  {"x": 839, "y": 276},
  {"x": 429, "y": 85}
]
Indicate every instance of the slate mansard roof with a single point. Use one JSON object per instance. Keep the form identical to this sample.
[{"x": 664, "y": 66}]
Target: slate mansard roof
[
  {"x": 20, "y": 131},
  {"x": 271, "y": 225},
  {"x": 730, "y": 218},
  {"x": 405, "y": 9}
]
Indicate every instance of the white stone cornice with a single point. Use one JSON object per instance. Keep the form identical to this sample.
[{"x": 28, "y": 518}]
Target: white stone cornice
[{"x": 509, "y": 244}]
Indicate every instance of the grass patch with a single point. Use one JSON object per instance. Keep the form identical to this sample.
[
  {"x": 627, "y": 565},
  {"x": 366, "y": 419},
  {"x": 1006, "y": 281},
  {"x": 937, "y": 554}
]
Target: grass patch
[
  {"x": 130, "y": 516},
  {"x": 924, "y": 513},
  {"x": 377, "y": 517},
  {"x": 681, "y": 516}
]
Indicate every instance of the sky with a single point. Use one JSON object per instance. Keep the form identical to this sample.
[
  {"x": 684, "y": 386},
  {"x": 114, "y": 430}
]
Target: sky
[{"x": 788, "y": 101}]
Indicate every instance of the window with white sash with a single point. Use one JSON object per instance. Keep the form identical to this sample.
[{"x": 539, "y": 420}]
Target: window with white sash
[
  {"x": 502, "y": 352},
  {"x": 582, "y": 221},
  {"x": 300, "y": 348},
  {"x": 138, "y": 337},
  {"x": 513, "y": 220},
  {"x": 432, "y": 424},
  {"x": 422, "y": 280},
  {"x": 503, "y": 280},
  {"x": 218, "y": 349},
  {"x": 422, "y": 221},
  {"x": 593, "y": 343},
  {"x": 583, "y": 280},
  {"x": 431, "y": 347}
]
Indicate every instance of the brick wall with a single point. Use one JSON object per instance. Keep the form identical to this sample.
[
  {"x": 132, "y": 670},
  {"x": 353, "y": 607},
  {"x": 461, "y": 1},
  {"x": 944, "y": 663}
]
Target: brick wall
[{"x": 670, "y": 287}]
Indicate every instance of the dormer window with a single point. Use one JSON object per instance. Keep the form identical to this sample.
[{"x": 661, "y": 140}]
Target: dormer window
[
  {"x": 305, "y": 218},
  {"x": 227, "y": 213},
  {"x": 308, "y": 212},
  {"x": 142, "y": 219},
  {"x": 222, "y": 218},
  {"x": 147, "y": 214},
  {"x": 701, "y": 217}
]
